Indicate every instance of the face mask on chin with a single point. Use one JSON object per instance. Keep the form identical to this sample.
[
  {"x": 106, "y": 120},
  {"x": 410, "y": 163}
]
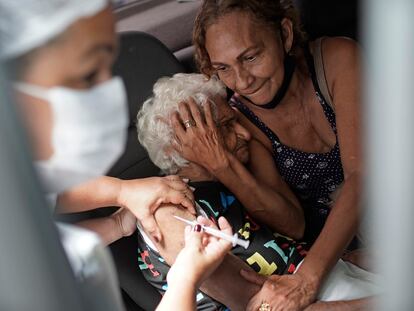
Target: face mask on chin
[{"x": 88, "y": 135}]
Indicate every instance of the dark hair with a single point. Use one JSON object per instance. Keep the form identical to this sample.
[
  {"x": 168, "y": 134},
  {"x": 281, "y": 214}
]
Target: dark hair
[{"x": 265, "y": 12}]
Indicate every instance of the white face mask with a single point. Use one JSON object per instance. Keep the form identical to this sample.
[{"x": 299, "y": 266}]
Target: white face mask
[{"x": 89, "y": 132}]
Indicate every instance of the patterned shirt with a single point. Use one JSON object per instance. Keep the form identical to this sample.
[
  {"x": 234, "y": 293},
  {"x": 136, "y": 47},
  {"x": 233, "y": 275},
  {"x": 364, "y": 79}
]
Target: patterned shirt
[
  {"x": 267, "y": 253},
  {"x": 313, "y": 177}
]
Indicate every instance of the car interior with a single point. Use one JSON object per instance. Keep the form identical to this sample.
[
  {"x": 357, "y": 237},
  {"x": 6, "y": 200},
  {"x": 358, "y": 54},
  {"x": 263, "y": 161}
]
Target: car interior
[{"x": 155, "y": 41}]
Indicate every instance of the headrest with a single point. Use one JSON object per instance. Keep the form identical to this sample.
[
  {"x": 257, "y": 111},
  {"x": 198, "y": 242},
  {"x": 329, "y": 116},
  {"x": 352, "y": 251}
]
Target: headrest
[{"x": 142, "y": 60}]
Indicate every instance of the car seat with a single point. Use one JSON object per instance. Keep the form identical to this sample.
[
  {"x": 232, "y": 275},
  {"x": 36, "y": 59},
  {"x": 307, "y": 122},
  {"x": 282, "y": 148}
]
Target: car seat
[
  {"x": 142, "y": 60},
  {"x": 329, "y": 18}
]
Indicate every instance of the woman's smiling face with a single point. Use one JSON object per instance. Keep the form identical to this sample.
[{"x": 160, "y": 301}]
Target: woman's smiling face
[{"x": 247, "y": 55}]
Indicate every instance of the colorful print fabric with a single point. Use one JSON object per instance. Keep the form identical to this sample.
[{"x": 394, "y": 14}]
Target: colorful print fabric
[
  {"x": 267, "y": 253},
  {"x": 313, "y": 177}
]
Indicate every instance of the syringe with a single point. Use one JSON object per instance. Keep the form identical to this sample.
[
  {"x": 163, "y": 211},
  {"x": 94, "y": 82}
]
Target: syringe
[{"x": 217, "y": 233}]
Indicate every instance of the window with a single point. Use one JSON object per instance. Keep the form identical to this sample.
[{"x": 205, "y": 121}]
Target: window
[{"x": 122, "y": 3}]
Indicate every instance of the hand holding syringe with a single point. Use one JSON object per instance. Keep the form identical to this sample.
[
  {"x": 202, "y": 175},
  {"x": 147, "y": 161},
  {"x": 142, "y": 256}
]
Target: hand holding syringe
[{"x": 217, "y": 233}]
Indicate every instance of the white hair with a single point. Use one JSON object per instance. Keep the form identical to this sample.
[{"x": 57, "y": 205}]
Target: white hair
[{"x": 154, "y": 126}]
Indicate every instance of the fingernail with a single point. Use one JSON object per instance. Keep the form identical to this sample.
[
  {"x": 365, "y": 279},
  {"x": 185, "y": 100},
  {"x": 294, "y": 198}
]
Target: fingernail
[
  {"x": 244, "y": 271},
  {"x": 192, "y": 188},
  {"x": 197, "y": 228},
  {"x": 186, "y": 180}
]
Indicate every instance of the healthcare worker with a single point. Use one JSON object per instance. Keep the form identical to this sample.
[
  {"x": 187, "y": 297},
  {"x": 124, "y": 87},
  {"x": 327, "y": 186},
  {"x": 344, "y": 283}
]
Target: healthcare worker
[{"x": 75, "y": 113}]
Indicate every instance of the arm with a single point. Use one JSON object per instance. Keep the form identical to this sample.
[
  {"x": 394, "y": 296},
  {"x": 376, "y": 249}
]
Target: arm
[
  {"x": 299, "y": 290},
  {"x": 270, "y": 200},
  {"x": 120, "y": 224},
  {"x": 179, "y": 296},
  {"x": 195, "y": 262},
  {"x": 141, "y": 196},
  {"x": 279, "y": 209},
  {"x": 360, "y": 257},
  {"x": 269, "y": 284},
  {"x": 342, "y": 223},
  {"x": 79, "y": 199},
  {"x": 225, "y": 284}
]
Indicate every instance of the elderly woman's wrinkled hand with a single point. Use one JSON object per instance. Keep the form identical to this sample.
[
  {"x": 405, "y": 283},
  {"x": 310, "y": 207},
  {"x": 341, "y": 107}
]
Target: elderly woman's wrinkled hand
[
  {"x": 198, "y": 138},
  {"x": 144, "y": 196},
  {"x": 201, "y": 255},
  {"x": 280, "y": 292}
]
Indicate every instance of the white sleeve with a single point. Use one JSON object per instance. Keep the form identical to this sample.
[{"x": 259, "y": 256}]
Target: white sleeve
[{"x": 92, "y": 266}]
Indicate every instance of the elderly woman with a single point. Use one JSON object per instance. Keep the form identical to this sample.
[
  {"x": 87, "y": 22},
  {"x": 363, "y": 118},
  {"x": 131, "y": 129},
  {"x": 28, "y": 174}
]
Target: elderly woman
[
  {"x": 259, "y": 52},
  {"x": 267, "y": 253},
  {"x": 61, "y": 54}
]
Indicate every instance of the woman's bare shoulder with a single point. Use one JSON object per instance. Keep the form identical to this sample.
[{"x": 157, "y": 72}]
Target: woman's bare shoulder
[
  {"x": 341, "y": 62},
  {"x": 339, "y": 52}
]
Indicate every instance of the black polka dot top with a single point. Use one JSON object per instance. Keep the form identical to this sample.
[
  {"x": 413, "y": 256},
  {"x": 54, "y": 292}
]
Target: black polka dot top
[{"x": 312, "y": 176}]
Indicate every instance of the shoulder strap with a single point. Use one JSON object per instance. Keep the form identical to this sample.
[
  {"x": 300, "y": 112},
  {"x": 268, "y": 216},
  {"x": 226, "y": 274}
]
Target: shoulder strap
[{"x": 320, "y": 70}]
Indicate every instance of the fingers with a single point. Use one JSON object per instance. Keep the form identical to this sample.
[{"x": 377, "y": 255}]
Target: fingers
[
  {"x": 125, "y": 221},
  {"x": 186, "y": 113},
  {"x": 253, "y": 277},
  {"x": 189, "y": 194},
  {"x": 190, "y": 110},
  {"x": 151, "y": 227},
  {"x": 193, "y": 238},
  {"x": 195, "y": 113},
  {"x": 223, "y": 246},
  {"x": 178, "y": 184},
  {"x": 177, "y": 147},
  {"x": 254, "y": 303},
  {"x": 205, "y": 221},
  {"x": 173, "y": 178},
  {"x": 180, "y": 131},
  {"x": 178, "y": 127},
  {"x": 180, "y": 193},
  {"x": 189, "y": 205},
  {"x": 209, "y": 115},
  {"x": 181, "y": 199},
  {"x": 225, "y": 226}
]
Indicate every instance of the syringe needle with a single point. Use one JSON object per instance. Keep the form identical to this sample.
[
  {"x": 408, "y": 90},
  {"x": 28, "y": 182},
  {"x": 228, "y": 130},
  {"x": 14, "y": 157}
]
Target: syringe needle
[
  {"x": 189, "y": 222},
  {"x": 217, "y": 233}
]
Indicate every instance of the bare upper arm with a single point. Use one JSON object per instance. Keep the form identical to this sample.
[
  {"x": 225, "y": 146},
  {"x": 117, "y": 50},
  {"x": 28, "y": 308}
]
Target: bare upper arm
[
  {"x": 225, "y": 284},
  {"x": 342, "y": 65},
  {"x": 172, "y": 230},
  {"x": 263, "y": 168}
]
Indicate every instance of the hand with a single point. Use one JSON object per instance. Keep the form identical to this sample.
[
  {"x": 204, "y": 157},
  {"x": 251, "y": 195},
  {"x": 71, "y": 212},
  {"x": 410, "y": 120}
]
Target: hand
[
  {"x": 281, "y": 292},
  {"x": 126, "y": 221},
  {"x": 201, "y": 143},
  {"x": 201, "y": 255},
  {"x": 144, "y": 196}
]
